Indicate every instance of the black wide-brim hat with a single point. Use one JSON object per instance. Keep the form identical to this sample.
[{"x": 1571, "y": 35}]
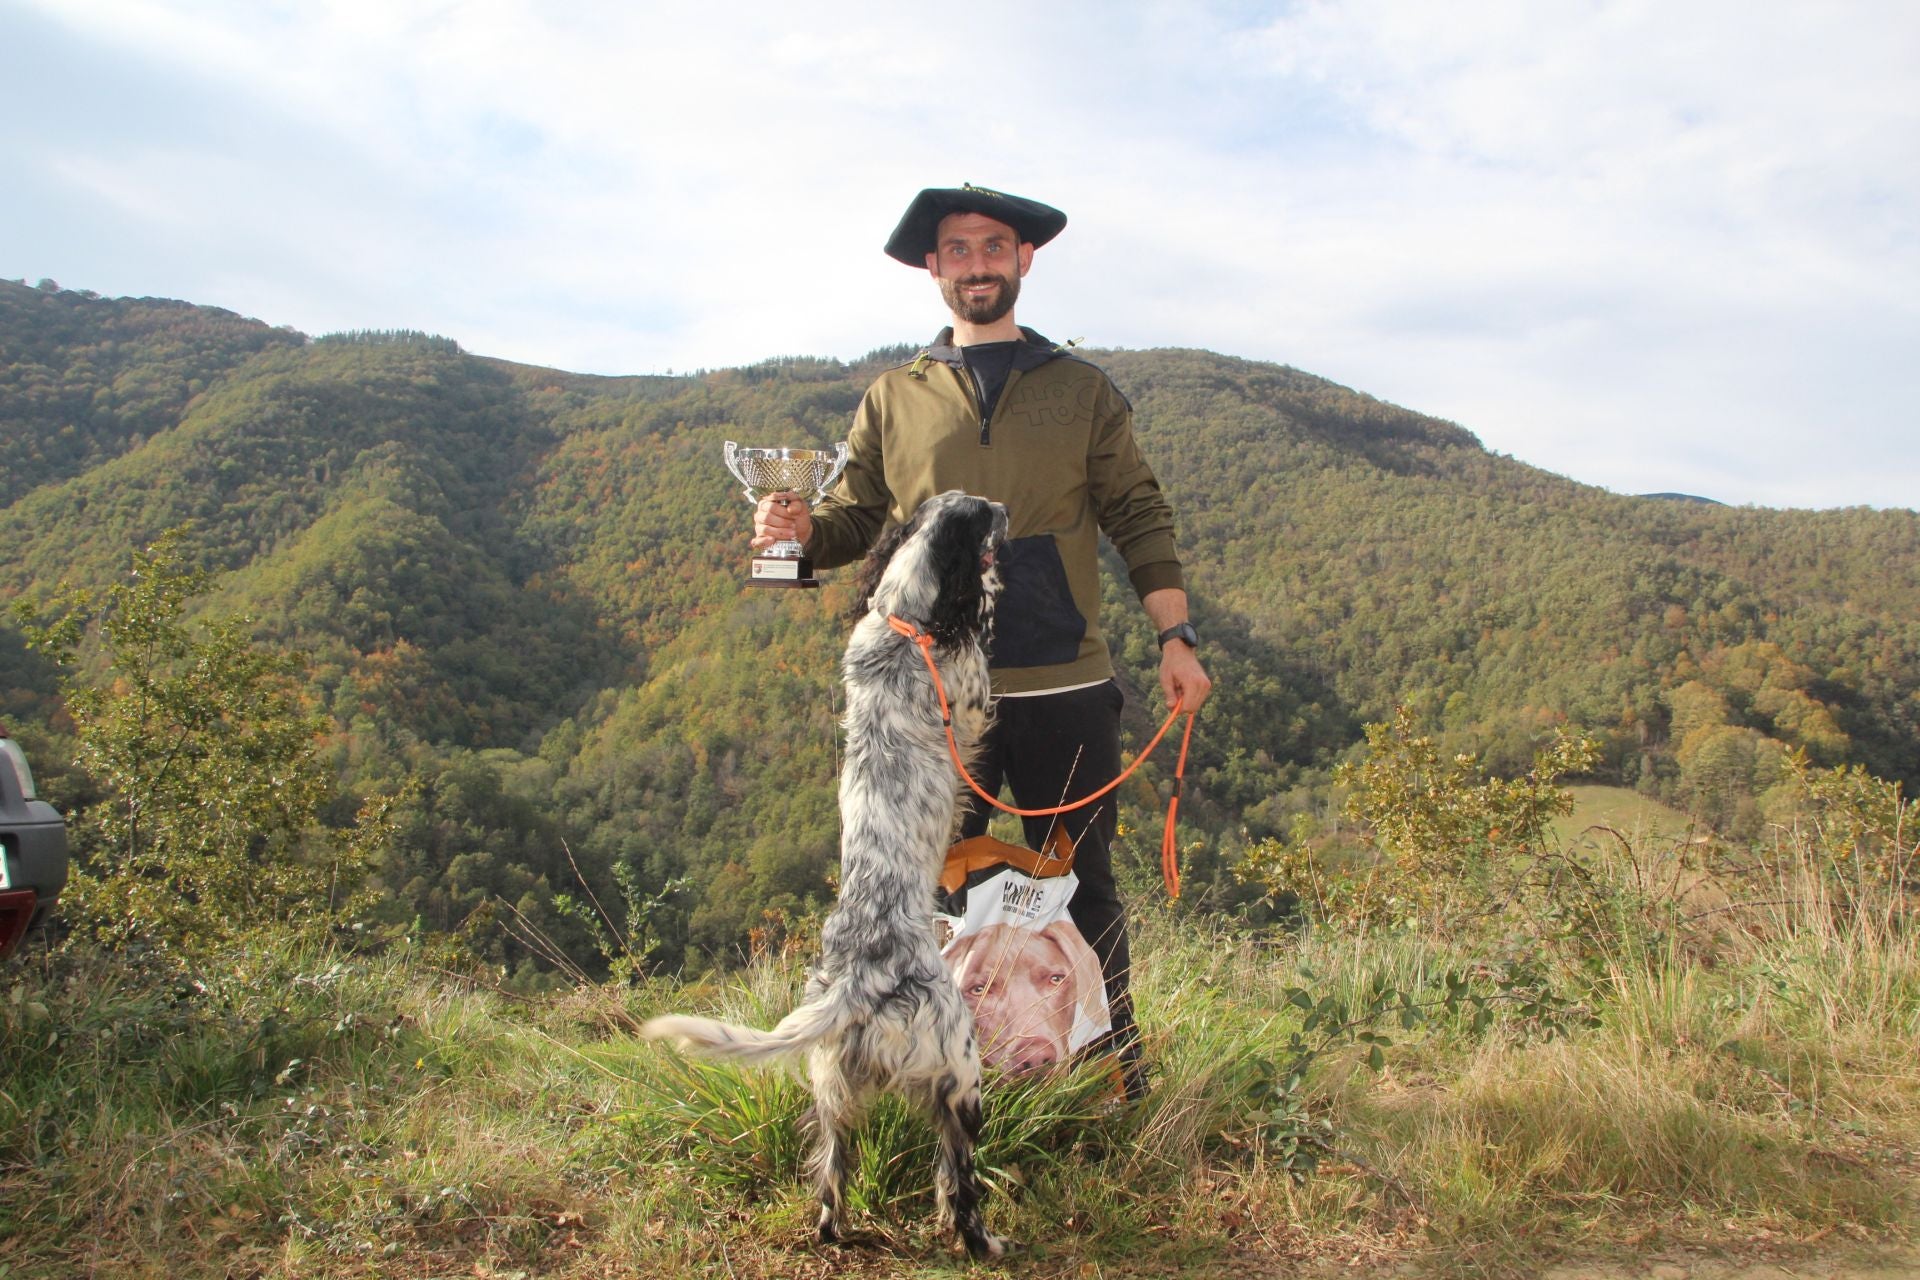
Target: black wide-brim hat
[{"x": 914, "y": 238}]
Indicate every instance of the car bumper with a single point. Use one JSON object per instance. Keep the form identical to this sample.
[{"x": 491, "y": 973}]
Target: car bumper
[{"x": 35, "y": 871}]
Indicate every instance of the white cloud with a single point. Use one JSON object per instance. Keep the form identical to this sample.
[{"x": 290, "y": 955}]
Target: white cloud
[{"x": 1650, "y": 246}]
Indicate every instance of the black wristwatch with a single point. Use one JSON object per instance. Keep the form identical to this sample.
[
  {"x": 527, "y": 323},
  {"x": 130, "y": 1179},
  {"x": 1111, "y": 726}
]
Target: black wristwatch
[{"x": 1181, "y": 631}]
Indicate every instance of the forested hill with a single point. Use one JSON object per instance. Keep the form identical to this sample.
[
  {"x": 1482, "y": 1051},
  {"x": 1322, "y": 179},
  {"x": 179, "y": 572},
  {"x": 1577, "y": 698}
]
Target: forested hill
[{"x": 524, "y": 588}]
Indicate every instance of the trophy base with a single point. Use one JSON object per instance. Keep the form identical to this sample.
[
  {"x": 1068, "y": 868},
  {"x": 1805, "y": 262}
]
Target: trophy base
[{"x": 783, "y": 571}]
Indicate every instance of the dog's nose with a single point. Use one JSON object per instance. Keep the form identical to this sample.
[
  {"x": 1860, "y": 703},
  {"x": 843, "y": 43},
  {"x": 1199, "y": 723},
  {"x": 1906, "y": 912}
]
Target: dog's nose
[{"x": 1025, "y": 1055}]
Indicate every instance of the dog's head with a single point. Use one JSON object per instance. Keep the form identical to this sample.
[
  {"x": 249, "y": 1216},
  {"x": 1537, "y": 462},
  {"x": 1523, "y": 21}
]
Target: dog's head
[
  {"x": 939, "y": 569},
  {"x": 1028, "y": 989}
]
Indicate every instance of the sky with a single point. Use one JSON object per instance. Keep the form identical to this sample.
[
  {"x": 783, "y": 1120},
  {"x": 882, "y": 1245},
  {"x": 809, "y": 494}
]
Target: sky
[{"x": 1652, "y": 245}]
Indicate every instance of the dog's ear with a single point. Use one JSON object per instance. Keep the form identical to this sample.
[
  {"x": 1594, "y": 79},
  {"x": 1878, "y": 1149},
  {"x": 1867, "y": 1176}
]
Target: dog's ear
[
  {"x": 1065, "y": 936},
  {"x": 874, "y": 567},
  {"x": 955, "y": 565},
  {"x": 1087, "y": 981},
  {"x": 959, "y": 951},
  {"x": 1073, "y": 946}
]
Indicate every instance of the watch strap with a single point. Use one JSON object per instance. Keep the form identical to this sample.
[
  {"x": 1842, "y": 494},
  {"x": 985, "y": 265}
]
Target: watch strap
[{"x": 1181, "y": 631}]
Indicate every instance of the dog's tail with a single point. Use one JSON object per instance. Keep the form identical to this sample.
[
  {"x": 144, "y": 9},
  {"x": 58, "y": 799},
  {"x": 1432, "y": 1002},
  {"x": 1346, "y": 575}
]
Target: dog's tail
[{"x": 711, "y": 1038}]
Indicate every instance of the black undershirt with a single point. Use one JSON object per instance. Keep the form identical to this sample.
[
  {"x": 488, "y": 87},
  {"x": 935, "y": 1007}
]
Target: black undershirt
[{"x": 990, "y": 363}]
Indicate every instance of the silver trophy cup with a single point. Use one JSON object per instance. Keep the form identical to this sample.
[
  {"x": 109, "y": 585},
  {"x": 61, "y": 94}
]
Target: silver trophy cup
[{"x": 808, "y": 473}]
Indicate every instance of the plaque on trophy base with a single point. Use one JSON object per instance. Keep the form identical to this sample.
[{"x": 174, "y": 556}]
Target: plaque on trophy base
[{"x": 783, "y": 571}]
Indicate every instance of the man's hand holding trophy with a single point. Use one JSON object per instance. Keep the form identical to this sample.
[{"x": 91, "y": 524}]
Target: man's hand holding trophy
[{"x": 806, "y": 474}]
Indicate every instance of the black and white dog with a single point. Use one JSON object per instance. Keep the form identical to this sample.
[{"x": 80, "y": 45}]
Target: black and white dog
[{"x": 881, "y": 1010}]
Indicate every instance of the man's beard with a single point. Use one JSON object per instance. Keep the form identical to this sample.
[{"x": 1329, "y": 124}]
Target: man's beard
[{"x": 982, "y": 310}]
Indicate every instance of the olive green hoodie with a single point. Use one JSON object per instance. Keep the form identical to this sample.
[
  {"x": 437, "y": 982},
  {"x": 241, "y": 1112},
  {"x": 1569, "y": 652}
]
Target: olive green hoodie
[{"x": 1058, "y": 452}]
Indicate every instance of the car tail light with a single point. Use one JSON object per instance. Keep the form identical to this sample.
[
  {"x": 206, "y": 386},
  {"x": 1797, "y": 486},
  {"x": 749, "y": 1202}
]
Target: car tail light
[{"x": 16, "y": 913}]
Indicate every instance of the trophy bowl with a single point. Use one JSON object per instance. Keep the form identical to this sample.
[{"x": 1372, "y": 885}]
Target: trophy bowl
[{"x": 807, "y": 473}]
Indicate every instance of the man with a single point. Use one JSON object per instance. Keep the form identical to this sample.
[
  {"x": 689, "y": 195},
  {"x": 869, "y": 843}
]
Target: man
[{"x": 999, "y": 411}]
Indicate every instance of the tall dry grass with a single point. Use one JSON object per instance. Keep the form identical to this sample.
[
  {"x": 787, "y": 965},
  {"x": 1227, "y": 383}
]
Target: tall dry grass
[{"x": 1739, "y": 1073}]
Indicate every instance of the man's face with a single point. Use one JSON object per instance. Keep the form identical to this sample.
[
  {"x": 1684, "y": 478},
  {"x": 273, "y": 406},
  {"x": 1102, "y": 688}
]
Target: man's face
[{"x": 978, "y": 263}]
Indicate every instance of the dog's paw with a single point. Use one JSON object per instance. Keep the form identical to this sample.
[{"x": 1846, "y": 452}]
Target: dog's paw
[{"x": 991, "y": 1248}]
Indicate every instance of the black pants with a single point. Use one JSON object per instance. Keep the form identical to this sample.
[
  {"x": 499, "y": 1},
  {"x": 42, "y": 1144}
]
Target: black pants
[{"x": 1050, "y": 750}]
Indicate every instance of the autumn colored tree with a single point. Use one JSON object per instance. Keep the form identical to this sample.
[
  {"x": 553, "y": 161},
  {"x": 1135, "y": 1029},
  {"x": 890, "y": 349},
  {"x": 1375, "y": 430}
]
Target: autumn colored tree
[{"x": 207, "y": 753}]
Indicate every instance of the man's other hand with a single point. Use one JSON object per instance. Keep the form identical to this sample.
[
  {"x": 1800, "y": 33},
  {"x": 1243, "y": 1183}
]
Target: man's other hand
[{"x": 1182, "y": 678}]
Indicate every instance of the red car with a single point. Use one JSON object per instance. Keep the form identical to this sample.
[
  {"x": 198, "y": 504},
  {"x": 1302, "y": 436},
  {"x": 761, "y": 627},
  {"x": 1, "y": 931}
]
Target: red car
[{"x": 33, "y": 849}]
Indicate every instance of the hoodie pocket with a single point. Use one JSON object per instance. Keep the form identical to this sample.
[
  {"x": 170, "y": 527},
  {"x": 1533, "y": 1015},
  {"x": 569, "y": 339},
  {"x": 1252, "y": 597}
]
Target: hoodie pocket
[{"x": 1035, "y": 623}]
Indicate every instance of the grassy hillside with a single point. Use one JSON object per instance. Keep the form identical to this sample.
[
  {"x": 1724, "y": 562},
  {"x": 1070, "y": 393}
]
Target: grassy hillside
[
  {"x": 1640, "y": 819},
  {"x": 303, "y": 1111}
]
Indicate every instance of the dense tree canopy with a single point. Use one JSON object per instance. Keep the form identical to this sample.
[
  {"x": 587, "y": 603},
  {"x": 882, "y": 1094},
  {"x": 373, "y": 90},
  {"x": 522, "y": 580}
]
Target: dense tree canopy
[{"x": 521, "y": 590}]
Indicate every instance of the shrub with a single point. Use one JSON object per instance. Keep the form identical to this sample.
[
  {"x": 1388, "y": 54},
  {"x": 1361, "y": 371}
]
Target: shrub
[{"x": 208, "y": 755}]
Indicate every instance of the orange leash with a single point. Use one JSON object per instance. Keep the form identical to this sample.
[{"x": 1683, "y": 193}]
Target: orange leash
[{"x": 1169, "y": 850}]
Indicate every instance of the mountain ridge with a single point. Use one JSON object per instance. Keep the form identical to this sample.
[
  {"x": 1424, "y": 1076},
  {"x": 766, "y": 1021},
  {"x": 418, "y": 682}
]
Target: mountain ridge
[{"x": 527, "y": 585}]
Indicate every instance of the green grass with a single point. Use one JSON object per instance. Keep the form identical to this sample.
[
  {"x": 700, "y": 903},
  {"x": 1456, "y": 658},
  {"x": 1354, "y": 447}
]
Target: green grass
[
  {"x": 296, "y": 1112},
  {"x": 1641, "y": 819}
]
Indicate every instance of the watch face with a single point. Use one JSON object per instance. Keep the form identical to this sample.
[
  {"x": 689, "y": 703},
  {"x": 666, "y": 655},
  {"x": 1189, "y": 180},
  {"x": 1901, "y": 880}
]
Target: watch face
[{"x": 1183, "y": 631}]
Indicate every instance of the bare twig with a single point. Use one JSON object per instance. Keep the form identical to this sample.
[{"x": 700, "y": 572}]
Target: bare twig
[{"x": 591, "y": 897}]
